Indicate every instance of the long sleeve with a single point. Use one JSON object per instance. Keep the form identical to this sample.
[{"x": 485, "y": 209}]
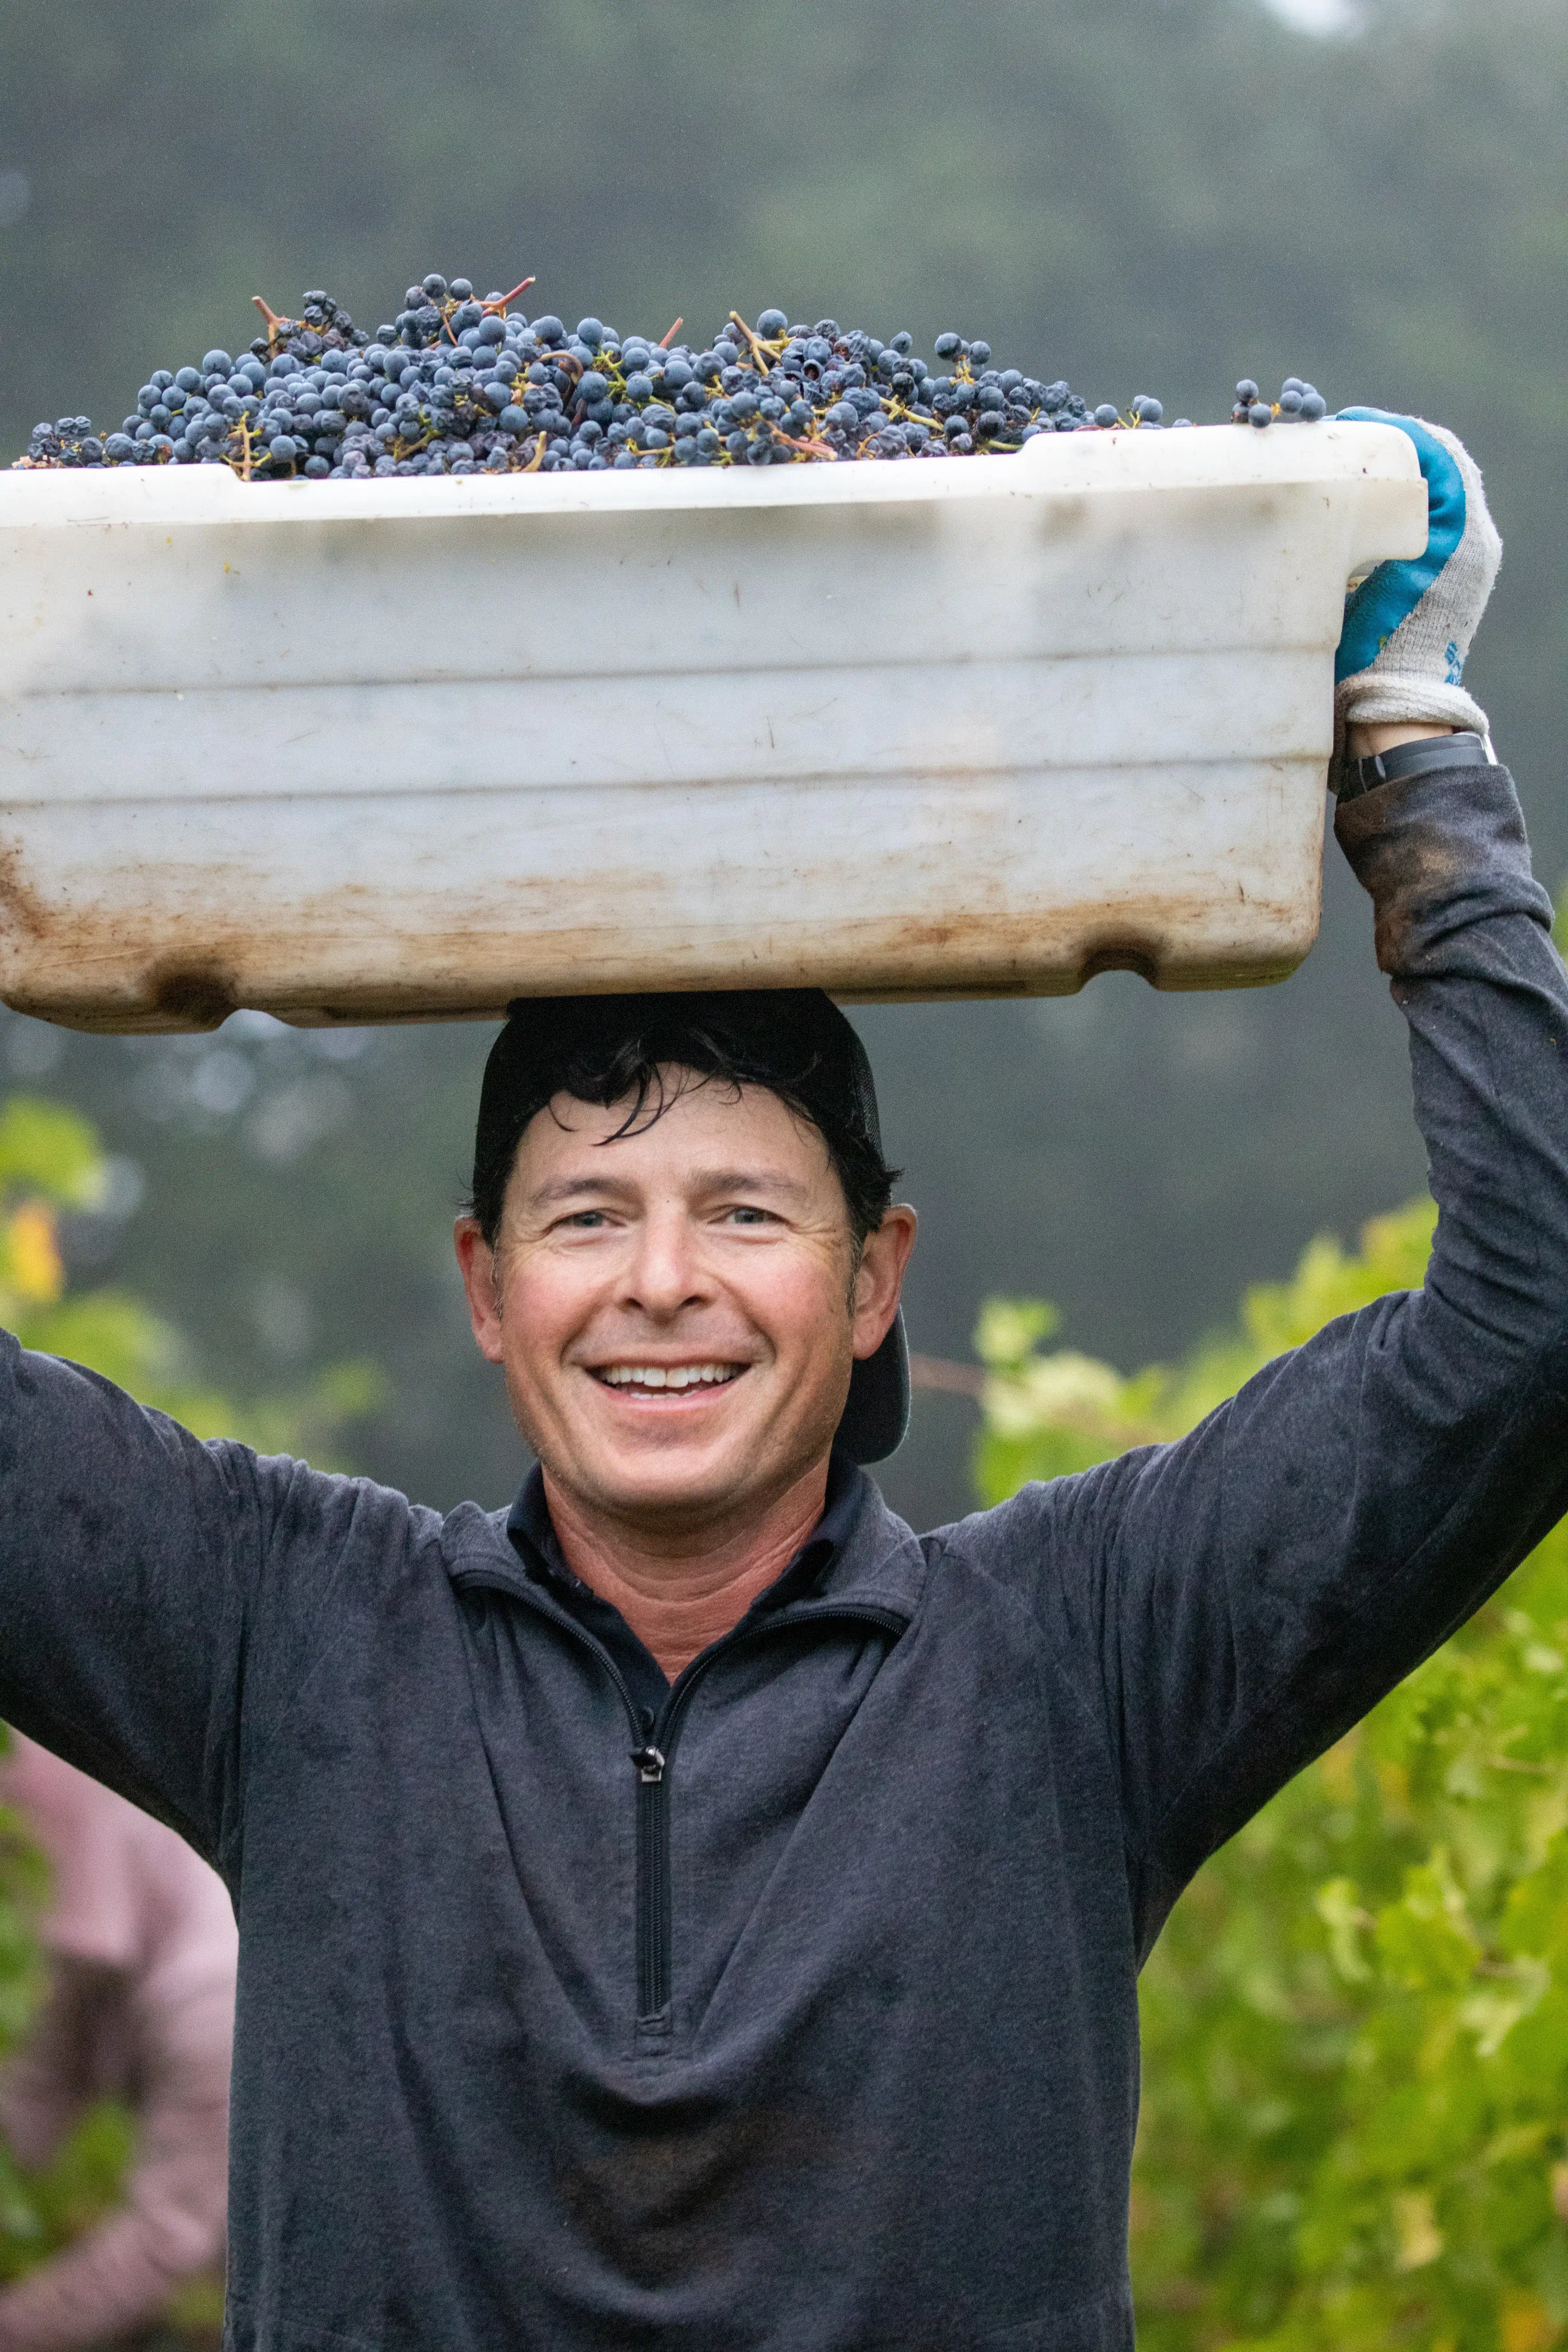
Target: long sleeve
[
  {"x": 159, "y": 1596},
  {"x": 127, "y": 1552},
  {"x": 1247, "y": 1594}
]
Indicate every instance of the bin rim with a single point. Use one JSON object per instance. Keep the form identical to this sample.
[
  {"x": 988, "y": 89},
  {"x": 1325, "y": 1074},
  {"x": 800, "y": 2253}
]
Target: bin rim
[{"x": 1211, "y": 459}]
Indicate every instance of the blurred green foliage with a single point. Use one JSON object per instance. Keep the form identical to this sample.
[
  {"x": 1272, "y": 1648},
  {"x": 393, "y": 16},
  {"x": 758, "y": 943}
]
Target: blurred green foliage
[
  {"x": 23, "y": 1886},
  {"x": 1354, "y": 2127},
  {"x": 50, "y": 1159},
  {"x": 47, "y": 2210}
]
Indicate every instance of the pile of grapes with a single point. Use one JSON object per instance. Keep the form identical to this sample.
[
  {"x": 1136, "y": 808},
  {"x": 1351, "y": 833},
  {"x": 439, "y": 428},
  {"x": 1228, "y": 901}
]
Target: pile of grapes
[{"x": 460, "y": 384}]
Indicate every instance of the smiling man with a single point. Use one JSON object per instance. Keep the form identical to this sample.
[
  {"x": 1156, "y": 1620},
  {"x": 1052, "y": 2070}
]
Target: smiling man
[
  {"x": 690, "y": 1910},
  {"x": 683, "y": 1254}
]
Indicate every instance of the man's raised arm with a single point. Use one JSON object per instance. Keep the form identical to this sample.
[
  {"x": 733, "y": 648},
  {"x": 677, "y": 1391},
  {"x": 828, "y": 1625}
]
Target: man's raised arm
[{"x": 1247, "y": 1594}]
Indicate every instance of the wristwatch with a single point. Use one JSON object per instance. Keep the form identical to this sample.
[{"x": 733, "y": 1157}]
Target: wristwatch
[{"x": 1463, "y": 750}]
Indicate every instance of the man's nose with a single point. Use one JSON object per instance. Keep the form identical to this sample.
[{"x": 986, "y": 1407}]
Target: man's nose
[{"x": 664, "y": 1272}]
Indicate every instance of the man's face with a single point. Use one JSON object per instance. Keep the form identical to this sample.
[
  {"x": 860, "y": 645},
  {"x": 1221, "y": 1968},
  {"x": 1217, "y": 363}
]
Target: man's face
[{"x": 677, "y": 1310}]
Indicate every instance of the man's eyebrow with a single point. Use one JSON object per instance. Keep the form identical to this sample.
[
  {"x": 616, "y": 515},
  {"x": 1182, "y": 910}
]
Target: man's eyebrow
[
  {"x": 560, "y": 1189},
  {"x": 578, "y": 1188},
  {"x": 751, "y": 1179}
]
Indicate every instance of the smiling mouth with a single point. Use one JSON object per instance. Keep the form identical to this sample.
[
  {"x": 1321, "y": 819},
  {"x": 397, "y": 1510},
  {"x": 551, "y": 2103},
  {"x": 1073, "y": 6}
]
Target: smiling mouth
[{"x": 665, "y": 1380}]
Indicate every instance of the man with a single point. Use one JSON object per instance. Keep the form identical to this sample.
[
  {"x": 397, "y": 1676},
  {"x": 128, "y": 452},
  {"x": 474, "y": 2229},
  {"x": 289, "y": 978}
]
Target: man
[
  {"x": 140, "y": 1936},
  {"x": 691, "y": 1910}
]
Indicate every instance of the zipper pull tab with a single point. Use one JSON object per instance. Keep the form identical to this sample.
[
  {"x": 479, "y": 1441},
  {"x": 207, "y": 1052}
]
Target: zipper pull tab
[{"x": 650, "y": 1764}]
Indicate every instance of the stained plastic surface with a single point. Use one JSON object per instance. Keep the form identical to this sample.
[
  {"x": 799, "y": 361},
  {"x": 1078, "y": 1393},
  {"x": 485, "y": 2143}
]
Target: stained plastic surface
[{"x": 364, "y": 751}]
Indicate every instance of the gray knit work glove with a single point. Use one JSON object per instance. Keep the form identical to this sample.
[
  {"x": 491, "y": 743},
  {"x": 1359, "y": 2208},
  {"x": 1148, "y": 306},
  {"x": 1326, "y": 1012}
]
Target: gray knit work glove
[{"x": 1408, "y": 627}]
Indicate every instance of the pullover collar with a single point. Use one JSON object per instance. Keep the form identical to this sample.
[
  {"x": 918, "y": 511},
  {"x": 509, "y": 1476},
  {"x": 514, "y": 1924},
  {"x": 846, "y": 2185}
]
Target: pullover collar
[{"x": 860, "y": 1559}]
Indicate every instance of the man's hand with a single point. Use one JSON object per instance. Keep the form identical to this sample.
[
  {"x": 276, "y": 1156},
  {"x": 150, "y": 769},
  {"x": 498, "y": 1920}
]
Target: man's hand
[{"x": 1408, "y": 627}]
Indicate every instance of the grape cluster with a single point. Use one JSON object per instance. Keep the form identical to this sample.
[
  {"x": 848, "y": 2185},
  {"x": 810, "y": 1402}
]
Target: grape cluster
[
  {"x": 460, "y": 384},
  {"x": 1300, "y": 402},
  {"x": 70, "y": 441}
]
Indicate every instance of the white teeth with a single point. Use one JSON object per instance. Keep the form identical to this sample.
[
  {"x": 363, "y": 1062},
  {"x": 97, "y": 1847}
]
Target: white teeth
[{"x": 670, "y": 1376}]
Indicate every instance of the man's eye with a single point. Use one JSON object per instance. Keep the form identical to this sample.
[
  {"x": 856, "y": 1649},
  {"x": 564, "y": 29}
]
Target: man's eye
[
  {"x": 585, "y": 1220},
  {"x": 749, "y": 1216}
]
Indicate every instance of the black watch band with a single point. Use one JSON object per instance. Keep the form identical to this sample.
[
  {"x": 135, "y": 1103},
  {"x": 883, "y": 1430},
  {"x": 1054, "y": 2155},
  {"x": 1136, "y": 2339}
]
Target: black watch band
[{"x": 1464, "y": 749}]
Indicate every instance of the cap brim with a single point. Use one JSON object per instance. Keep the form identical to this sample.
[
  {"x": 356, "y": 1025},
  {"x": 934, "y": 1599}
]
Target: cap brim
[{"x": 876, "y": 1417}]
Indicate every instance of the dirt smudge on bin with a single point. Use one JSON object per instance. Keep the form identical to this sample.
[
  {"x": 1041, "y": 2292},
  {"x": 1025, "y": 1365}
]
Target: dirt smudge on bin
[
  {"x": 197, "y": 998},
  {"x": 19, "y": 903}
]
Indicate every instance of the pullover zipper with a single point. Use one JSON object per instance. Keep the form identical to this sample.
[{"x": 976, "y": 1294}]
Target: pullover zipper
[
  {"x": 653, "y": 1883},
  {"x": 651, "y": 1757}
]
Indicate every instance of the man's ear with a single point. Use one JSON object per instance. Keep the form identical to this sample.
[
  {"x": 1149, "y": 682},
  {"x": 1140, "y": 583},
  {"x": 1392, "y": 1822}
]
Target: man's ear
[
  {"x": 883, "y": 1257},
  {"x": 478, "y": 1261}
]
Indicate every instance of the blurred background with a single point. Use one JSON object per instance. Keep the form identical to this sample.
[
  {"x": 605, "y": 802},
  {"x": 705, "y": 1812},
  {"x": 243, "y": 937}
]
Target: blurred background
[
  {"x": 1356, "y": 2028},
  {"x": 1141, "y": 195}
]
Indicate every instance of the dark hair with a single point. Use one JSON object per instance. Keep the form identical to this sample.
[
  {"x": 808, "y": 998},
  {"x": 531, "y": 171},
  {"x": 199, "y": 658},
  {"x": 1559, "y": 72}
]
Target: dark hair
[{"x": 608, "y": 1049}]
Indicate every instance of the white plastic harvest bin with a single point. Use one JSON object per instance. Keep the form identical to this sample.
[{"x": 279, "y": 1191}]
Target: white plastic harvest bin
[{"x": 355, "y": 751}]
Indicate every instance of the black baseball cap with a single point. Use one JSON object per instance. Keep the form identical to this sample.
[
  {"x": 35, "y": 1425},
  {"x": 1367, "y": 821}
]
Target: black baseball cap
[{"x": 794, "y": 1041}]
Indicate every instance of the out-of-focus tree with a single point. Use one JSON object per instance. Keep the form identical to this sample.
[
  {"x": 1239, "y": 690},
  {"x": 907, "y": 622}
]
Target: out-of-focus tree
[
  {"x": 1354, "y": 2126},
  {"x": 50, "y": 1159}
]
